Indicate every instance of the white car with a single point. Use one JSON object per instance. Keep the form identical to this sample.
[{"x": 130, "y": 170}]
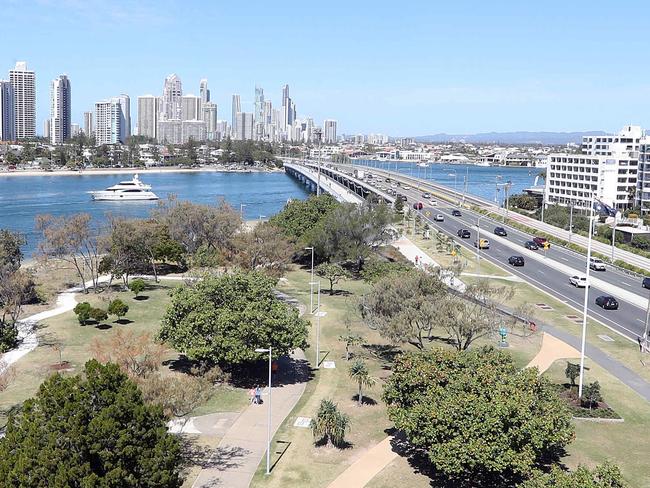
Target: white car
[
  {"x": 433, "y": 202},
  {"x": 578, "y": 281},
  {"x": 596, "y": 264},
  {"x": 439, "y": 218},
  {"x": 406, "y": 187}
]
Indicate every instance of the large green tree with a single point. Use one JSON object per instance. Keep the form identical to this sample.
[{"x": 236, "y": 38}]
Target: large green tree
[
  {"x": 223, "y": 319},
  {"x": 91, "y": 430},
  {"x": 477, "y": 416},
  {"x": 605, "y": 475},
  {"x": 299, "y": 217},
  {"x": 16, "y": 287}
]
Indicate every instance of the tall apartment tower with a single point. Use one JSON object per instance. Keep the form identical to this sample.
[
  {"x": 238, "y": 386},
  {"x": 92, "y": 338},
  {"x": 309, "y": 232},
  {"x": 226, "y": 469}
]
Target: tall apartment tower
[
  {"x": 244, "y": 130},
  {"x": 148, "y": 116},
  {"x": 171, "y": 99},
  {"x": 211, "y": 121},
  {"x": 24, "y": 85},
  {"x": 125, "y": 104},
  {"x": 236, "y": 108},
  {"x": 88, "y": 124},
  {"x": 191, "y": 108},
  {"x": 46, "y": 128},
  {"x": 60, "y": 110},
  {"x": 7, "y": 112},
  {"x": 204, "y": 91},
  {"x": 110, "y": 121},
  {"x": 329, "y": 131}
]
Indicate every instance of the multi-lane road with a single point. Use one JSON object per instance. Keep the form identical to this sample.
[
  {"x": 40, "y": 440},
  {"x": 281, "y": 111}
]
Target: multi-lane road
[{"x": 548, "y": 272}]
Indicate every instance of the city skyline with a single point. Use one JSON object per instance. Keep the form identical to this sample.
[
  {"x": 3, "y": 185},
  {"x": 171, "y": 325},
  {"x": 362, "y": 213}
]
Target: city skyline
[{"x": 458, "y": 75}]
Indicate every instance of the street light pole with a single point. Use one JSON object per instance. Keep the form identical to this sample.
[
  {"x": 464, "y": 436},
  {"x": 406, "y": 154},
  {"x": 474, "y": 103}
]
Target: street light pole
[
  {"x": 311, "y": 281},
  {"x": 584, "y": 308},
  {"x": 318, "y": 133},
  {"x": 570, "y": 220},
  {"x": 644, "y": 345},
  {"x": 318, "y": 314},
  {"x": 613, "y": 238},
  {"x": 268, "y": 428},
  {"x": 478, "y": 244}
]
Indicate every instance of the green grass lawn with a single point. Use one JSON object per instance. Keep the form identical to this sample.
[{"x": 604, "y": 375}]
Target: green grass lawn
[
  {"x": 145, "y": 316},
  {"x": 304, "y": 465}
]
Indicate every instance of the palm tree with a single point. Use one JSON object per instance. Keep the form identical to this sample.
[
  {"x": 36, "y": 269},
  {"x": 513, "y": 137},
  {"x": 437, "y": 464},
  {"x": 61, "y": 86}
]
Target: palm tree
[
  {"x": 359, "y": 372},
  {"x": 330, "y": 424}
]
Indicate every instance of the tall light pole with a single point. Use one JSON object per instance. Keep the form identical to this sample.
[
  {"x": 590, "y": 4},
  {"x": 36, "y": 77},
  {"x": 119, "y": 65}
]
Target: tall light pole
[
  {"x": 318, "y": 133},
  {"x": 584, "y": 308},
  {"x": 268, "y": 428},
  {"x": 478, "y": 244},
  {"x": 496, "y": 189},
  {"x": 455, "y": 183},
  {"x": 319, "y": 314},
  {"x": 570, "y": 219},
  {"x": 311, "y": 281},
  {"x": 614, "y": 238},
  {"x": 644, "y": 345}
]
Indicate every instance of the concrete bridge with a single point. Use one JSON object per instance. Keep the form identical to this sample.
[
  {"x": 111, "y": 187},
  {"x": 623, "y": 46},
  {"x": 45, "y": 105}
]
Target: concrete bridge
[{"x": 345, "y": 187}]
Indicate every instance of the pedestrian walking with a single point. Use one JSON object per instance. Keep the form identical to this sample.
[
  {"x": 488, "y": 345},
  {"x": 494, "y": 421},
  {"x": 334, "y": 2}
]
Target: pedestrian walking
[
  {"x": 258, "y": 395},
  {"x": 251, "y": 393}
]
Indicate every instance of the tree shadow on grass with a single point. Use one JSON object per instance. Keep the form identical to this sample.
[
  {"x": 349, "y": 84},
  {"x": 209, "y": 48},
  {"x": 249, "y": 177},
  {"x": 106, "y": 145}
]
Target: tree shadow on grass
[
  {"x": 385, "y": 353},
  {"x": 337, "y": 293},
  {"x": 141, "y": 298},
  {"x": 220, "y": 458},
  {"x": 366, "y": 400},
  {"x": 123, "y": 321},
  {"x": 342, "y": 446},
  {"x": 103, "y": 326}
]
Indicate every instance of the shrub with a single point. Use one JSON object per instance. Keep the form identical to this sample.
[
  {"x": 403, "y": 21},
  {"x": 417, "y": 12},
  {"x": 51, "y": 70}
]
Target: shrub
[{"x": 137, "y": 286}]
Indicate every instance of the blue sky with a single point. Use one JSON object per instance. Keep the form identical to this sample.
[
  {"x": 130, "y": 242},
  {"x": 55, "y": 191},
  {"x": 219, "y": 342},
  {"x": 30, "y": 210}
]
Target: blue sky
[{"x": 401, "y": 68}]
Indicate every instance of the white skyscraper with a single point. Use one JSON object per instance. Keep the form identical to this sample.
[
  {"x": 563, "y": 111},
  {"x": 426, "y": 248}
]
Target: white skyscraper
[
  {"x": 192, "y": 129},
  {"x": 148, "y": 114},
  {"x": 329, "y": 131},
  {"x": 46, "y": 128},
  {"x": 171, "y": 99},
  {"x": 75, "y": 130},
  {"x": 222, "y": 130},
  {"x": 7, "y": 112},
  {"x": 191, "y": 108},
  {"x": 125, "y": 104},
  {"x": 88, "y": 124},
  {"x": 244, "y": 131},
  {"x": 60, "y": 110},
  {"x": 210, "y": 119},
  {"x": 110, "y": 121},
  {"x": 24, "y": 85},
  {"x": 204, "y": 91},
  {"x": 170, "y": 131},
  {"x": 236, "y": 108}
]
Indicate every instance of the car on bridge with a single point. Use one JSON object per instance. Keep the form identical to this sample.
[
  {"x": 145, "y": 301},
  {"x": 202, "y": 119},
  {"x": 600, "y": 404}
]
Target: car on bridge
[
  {"x": 456, "y": 213},
  {"x": 516, "y": 260},
  {"x": 406, "y": 187},
  {"x": 578, "y": 281},
  {"x": 426, "y": 195},
  {"x": 608, "y": 302},
  {"x": 482, "y": 244},
  {"x": 596, "y": 264},
  {"x": 531, "y": 245},
  {"x": 439, "y": 218},
  {"x": 464, "y": 233},
  {"x": 500, "y": 231},
  {"x": 646, "y": 282},
  {"x": 540, "y": 241}
]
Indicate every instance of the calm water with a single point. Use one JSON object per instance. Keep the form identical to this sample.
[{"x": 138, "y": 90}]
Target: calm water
[
  {"x": 24, "y": 197},
  {"x": 481, "y": 179}
]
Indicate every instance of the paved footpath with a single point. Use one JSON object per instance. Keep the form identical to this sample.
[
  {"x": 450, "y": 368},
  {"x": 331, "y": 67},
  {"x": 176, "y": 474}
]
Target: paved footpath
[{"x": 243, "y": 446}]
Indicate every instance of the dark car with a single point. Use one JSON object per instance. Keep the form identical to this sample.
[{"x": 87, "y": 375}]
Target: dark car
[
  {"x": 402, "y": 197},
  {"x": 464, "y": 233},
  {"x": 516, "y": 260},
  {"x": 418, "y": 206},
  {"x": 500, "y": 231},
  {"x": 540, "y": 241},
  {"x": 607, "y": 302},
  {"x": 456, "y": 213},
  {"x": 531, "y": 245},
  {"x": 645, "y": 283}
]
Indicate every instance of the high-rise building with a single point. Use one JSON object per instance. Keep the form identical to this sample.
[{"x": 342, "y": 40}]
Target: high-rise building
[
  {"x": 46, "y": 128},
  {"x": 75, "y": 130},
  {"x": 148, "y": 116},
  {"x": 285, "y": 94},
  {"x": 170, "y": 131},
  {"x": 191, "y": 108},
  {"x": 125, "y": 104},
  {"x": 244, "y": 131},
  {"x": 192, "y": 129},
  {"x": 171, "y": 99},
  {"x": 7, "y": 112},
  {"x": 88, "y": 124},
  {"x": 110, "y": 120},
  {"x": 258, "y": 114},
  {"x": 329, "y": 131},
  {"x": 222, "y": 130},
  {"x": 60, "y": 110},
  {"x": 236, "y": 108},
  {"x": 24, "y": 85},
  {"x": 210, "y": 119},
  {"x": 204, "y": 91}
]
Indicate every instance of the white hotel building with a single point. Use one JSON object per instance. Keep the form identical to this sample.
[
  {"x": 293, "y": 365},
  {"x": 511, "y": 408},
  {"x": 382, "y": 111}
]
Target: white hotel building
[{"x": 608, "y": 165}]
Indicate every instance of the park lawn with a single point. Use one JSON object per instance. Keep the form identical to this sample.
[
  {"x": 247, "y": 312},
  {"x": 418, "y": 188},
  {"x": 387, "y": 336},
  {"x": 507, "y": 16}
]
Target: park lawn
[
  {"x": 621, "y": 349},
  {"x": 625, "y": 444},
  {"x": 145, "y": 316},
  {"x": 299, "y": 463}
]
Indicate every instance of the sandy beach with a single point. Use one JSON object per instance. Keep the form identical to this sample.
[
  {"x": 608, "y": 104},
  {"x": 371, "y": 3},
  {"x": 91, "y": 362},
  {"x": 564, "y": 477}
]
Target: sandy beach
[{"x": 119, "y": 171}]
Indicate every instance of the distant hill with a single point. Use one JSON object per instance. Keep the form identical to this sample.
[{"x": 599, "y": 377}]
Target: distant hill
[{"x": 511, "y": 137}]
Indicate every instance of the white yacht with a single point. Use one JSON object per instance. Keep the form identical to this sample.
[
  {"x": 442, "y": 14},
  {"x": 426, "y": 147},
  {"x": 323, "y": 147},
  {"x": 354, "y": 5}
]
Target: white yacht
[{"x": 126, "y": 190}]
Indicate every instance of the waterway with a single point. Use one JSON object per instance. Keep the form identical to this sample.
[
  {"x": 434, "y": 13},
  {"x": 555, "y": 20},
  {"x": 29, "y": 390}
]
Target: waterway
[
  {"x": 482, "y": 181},
  {"x": 22, "y": 198}
]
